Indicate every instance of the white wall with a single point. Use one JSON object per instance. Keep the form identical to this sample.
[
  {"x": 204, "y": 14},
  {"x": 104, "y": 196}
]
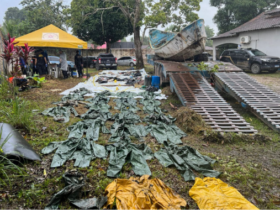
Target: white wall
[{"x": 267, "y": 41}]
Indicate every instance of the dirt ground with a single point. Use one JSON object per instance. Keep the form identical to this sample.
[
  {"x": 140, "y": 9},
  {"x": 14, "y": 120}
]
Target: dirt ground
[
  {"x": 251, "y": 166},
  {"x": 270, "y": 80}
]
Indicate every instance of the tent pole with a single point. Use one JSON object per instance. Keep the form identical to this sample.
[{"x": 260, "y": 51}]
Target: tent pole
[{"x": 87, "y": 64}]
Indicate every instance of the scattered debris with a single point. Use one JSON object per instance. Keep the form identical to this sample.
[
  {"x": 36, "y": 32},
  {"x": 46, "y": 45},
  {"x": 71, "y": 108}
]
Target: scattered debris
[
  {"x": 212, "y": 193},
  {"x": 74, "y": 182},
  {"x": 142, "y": 193},
  {"x": 190, "y": 121}
]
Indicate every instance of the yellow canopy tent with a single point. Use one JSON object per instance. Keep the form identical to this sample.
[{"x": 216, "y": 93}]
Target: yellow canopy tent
[{"x": 51, "y": 36}]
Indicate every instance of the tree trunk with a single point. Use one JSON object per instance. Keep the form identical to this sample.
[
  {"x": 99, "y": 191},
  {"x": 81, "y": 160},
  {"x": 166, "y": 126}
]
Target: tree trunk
[
  {"x": 108, "y": 47},
  {"x": 138, "y": 49}
]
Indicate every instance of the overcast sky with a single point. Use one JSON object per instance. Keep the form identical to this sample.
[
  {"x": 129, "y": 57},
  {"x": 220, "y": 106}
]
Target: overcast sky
[{"x": 206, "y": 11}]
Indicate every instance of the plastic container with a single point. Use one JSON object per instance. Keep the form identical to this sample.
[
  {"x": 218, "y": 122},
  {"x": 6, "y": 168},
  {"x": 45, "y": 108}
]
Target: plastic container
[
  {"x": 148, "y": 81},
  {"x": 156, "y": 81},
  {"x": 74, "y": 73}
]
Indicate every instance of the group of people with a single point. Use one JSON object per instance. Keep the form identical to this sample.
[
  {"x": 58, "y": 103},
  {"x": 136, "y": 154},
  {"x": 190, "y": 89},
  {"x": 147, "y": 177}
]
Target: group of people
[{"x": 40, "y": 61}]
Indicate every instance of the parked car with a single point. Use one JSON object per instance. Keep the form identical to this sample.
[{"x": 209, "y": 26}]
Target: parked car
[
  {"x": 106, "y": 61},
  {"x": 127, "y": 61},
  {"x": 55, "y": 60},
  {"x": 251, "y": 59},
  {"x": 89, "y": 61}
]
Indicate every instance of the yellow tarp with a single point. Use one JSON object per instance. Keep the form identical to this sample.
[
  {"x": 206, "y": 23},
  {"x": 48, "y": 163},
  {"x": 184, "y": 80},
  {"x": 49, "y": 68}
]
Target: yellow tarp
[
  {"x": 51, "y": 36},
  {"x": 212, "y": 193},
  {"x": 142, "y": 193}
]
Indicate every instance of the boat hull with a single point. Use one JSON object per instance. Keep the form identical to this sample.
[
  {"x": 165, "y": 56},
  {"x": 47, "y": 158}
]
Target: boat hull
[{"x": 184, "y": 45}]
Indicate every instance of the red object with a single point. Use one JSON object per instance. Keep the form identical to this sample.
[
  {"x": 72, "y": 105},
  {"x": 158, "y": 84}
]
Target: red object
[
  {"x": 116, "y": 60},
  {"x": 99, "y": 59},
  {"x": 134, "y": 59},
  {"x": 11, "y": 79}
]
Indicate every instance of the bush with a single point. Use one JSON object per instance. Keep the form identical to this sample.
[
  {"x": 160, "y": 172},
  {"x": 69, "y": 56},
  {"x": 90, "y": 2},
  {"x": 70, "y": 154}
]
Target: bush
[
  {"x": 7, "y": 90},
  {"x": 18, "y": 113}
]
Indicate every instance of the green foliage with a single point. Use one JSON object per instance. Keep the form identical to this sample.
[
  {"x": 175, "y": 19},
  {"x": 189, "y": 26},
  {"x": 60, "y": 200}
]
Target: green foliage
[
  {"x": 232, "y": 14},
  {"x": 204, "y": 67},
  {"x": 210, "y": 33},
  {"x": 42, "y": 13},
  {"x": 163, "y": 12},
  {"x": 102, "y": 26},
  {"x": 7, "y": 90},
  {"x": 18, "y": 113},
  {"x": 39, "y": 80}
]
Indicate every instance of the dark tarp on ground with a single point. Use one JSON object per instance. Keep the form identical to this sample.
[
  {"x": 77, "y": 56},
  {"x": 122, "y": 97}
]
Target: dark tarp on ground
[
  {"x": 98, "y": 112},
  {"x": 124, "y": 104},
  {"x": 81, "y": 150},
  {"x": 142, "y": 193},
  {"x": 123, "y": 152},
  {"x": 100, "y": 98},
  {"x": 163, "y": 132},
  {"x": 185, "y": 160},
  {"x": 60, "y": 113},
  {"x": 77, "y": 95},
  {"x": 89, "y": 127},
  {"x": 13, "y": 144},
  {"x": 73, "y": 192},
  {"x": 123, "y": 121}
]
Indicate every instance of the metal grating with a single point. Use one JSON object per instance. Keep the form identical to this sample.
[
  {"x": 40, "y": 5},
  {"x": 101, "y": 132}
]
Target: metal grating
[
  {"x": 263, "y": 102},
  {"x": 194, "y": 91}
]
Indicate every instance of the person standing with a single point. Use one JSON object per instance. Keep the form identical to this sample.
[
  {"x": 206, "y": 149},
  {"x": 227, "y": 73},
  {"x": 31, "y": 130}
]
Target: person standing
[
  {"x": 63, "y": 63},
  {"x": 79, "y": 63},
  {"x": 34, "y": 62},
  {"x": 47, "y": 61},
  {"x": 22, "y": 65},
  {"x": 41, "y": 63}
]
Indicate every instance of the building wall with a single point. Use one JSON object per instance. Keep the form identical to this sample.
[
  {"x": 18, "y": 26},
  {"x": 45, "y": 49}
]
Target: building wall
[
  {"x": 266, "y": 41},
  {"x": 95, "y": 52}
]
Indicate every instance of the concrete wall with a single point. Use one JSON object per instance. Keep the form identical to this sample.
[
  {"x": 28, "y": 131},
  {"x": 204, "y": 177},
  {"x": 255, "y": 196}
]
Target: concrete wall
[
  {"x": 95, "y": 52},
  {"x": 266, "y": 41}
]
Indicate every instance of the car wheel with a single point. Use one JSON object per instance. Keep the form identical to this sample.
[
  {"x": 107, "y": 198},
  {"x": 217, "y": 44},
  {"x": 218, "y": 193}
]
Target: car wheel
[
  {"x": 255, "y": 68},
  {"x": 131, "y": 64},
  {"x": 91, "y": 66}
]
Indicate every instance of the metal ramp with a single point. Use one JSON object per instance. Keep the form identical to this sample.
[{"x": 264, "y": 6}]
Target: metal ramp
[
  {"x": 194, "y": 91},
  {"x": 262, "y": 101}
]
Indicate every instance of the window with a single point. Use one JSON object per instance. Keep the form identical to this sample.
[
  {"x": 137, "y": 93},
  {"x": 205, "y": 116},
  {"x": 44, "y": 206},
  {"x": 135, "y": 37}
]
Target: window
[
  {"x": 106, "y": 55},
  {"x": 225, "y": 53},
  {"x": 232, "y": 53},
  {"x": 51, "y": 58},
  {"x": 256, "y": 53}
]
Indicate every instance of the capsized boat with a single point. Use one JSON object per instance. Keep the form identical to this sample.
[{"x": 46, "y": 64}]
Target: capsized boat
[{"x": 179, "y": 46}]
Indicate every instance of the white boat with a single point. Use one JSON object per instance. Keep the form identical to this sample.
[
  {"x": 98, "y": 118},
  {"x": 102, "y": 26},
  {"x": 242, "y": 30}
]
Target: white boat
[{"x": 179, "y": 46}]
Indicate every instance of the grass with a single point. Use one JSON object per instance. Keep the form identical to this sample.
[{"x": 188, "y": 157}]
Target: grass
[
  {"x": 250, "y": 167},
  {"x": 266, "y": 74}
]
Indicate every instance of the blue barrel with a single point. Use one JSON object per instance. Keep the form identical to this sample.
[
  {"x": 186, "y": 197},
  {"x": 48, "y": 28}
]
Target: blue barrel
[
  {"x": 74, "y": 73},
  {"x": 156, "y": 81}
]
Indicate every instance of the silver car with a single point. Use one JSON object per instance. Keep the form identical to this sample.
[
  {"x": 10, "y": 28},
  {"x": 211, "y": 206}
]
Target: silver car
[{"x": 127, "y": 61}]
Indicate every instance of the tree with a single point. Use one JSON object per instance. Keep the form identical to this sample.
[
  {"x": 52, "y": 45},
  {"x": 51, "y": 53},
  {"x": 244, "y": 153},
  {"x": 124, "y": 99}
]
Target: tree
[
  {"x": 41, "y": 13},
  {"x": 232, "y": 14},
  {"x": 150, "y": 13},
  {"x": 124, "y": 40},
  {"x": 103, "y": 26},
  {"x": 210, "y": 33},
  {"x": 14, "y": 13},
  {"x": 172, "y": 28}
]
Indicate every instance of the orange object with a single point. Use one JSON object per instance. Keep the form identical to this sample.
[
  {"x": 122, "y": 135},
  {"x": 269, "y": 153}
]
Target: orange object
[
  {"x": 11, "y": 79},
  {"x": 142, "y": 193},
  {"x": 212, "y": 193}
]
